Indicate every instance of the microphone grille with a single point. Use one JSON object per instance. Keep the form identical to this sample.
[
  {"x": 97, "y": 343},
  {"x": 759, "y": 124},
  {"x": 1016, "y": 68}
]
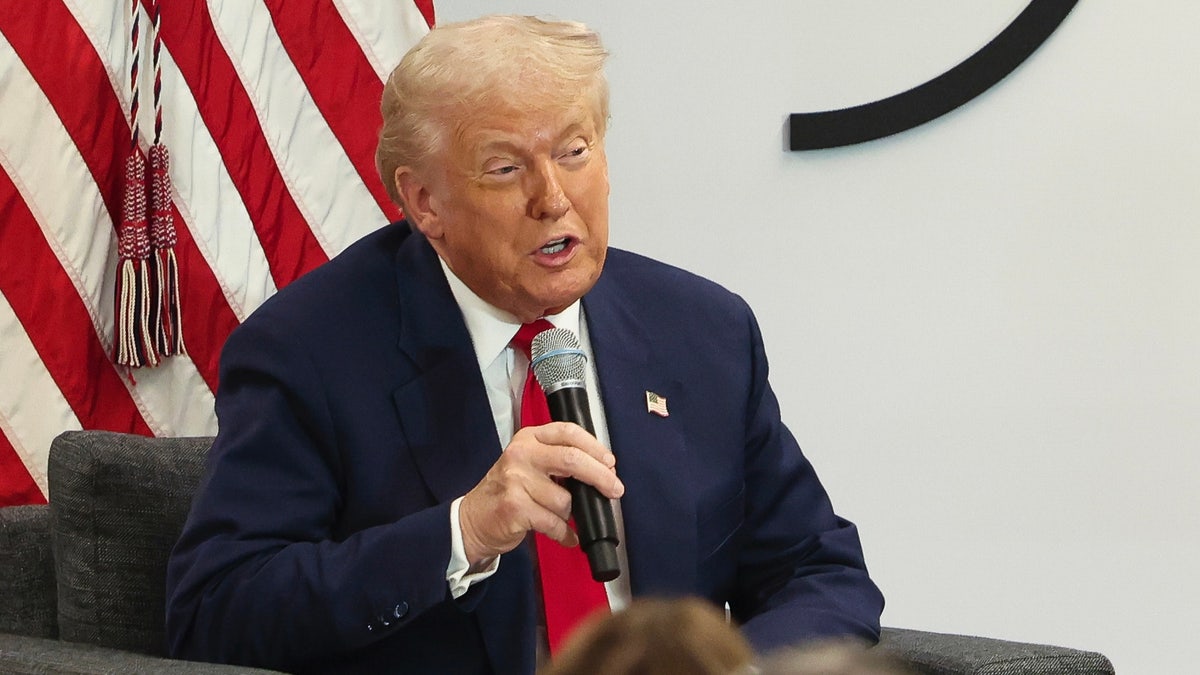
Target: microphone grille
[{"x": 557, "y": 359}]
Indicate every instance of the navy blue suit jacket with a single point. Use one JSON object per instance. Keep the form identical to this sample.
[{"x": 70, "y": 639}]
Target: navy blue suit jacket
[{"x": 352, "y": 412}]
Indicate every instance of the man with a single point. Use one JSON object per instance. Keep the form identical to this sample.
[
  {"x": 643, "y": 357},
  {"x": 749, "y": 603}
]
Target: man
[{"x": 375, "y": 480}]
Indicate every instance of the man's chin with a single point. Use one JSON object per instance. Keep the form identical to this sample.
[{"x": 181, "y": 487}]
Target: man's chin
[
  {"x": 556, "y": 306},
  {"x": 552, "y": 292},
  {"x": 556, "y": 303}
]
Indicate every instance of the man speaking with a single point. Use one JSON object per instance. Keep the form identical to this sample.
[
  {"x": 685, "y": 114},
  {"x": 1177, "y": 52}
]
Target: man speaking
[{"x": 387, "y": 492}]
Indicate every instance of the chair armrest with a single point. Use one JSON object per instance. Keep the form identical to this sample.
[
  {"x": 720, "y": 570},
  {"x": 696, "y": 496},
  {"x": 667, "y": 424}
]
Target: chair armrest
[
  {"x": 28, "y": 604},
  {"x": 22, "y": 655},
  {"x": 945, "y": 654}
]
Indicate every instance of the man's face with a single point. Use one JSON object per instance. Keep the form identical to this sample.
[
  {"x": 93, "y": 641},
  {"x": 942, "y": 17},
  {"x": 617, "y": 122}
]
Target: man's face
[{"x": 516, "y": 203}]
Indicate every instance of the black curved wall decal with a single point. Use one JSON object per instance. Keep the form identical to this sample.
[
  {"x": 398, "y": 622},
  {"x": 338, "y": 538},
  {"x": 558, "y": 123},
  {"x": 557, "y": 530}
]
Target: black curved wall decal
[{"x": 972, "y": 77}]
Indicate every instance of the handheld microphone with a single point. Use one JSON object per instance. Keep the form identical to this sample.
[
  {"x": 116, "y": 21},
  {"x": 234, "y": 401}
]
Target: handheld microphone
[{"x": 559, "y": 364}]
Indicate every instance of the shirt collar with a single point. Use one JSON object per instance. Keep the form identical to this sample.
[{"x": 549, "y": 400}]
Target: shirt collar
[{"x": 491, "y": 328}]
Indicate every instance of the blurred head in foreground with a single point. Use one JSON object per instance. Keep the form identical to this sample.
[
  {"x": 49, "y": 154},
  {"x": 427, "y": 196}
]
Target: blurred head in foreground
[
  {"x": 654, "y": 636},
  {"x": 832, "y": 658}
]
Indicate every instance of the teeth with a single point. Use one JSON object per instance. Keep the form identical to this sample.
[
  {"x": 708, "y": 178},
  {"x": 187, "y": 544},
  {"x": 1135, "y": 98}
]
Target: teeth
[{"x": 554, "y": 246}]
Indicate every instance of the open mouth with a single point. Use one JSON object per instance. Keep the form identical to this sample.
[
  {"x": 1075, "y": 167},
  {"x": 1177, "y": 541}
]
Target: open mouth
[{"x": 555, "y": 246}]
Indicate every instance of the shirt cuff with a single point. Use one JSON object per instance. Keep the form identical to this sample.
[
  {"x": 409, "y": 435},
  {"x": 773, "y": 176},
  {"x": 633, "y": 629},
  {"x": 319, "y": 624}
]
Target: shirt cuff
[{"x": 457, "y": 571}]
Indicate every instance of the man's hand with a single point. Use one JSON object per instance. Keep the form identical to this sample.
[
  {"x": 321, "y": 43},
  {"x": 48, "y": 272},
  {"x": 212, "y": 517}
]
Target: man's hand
[{"x": 519, "y": 492}]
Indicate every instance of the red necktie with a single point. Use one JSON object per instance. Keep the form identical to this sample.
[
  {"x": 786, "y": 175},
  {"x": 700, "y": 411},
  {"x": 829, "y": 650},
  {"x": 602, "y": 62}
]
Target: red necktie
[{"x": 569, "y": 594}]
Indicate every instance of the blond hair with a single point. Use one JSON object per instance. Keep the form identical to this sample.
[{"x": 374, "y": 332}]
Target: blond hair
[{"x": 517, "y": 61}]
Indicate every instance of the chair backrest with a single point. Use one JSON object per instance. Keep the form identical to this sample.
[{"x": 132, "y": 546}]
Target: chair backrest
[{"x": 117, "y": 505}]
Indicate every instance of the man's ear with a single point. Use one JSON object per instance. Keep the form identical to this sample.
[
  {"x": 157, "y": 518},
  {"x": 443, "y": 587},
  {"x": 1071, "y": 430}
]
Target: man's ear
[{"x": 418, "y": 203}]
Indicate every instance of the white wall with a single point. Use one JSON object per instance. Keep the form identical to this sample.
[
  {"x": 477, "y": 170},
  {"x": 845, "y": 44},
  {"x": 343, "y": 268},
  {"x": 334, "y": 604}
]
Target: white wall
[{"x": 985, "y": 331}]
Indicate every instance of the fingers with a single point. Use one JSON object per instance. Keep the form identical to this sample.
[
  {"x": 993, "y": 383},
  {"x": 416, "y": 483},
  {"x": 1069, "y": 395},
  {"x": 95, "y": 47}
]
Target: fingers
[
  {"x": 554, "y": 525},
  {"x": 568, "y": 434},
  {"x": 552, "y": 497},
  {"x": 567, "y": 450},
  {"x": 546, "y": 508},
  {"x": 511, "y": 500},
  {"x": 520, "y": 493}
]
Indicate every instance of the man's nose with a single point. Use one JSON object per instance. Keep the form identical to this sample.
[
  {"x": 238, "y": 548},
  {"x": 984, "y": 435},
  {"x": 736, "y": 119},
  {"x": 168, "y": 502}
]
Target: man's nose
[{"x": 547, "y": 199}]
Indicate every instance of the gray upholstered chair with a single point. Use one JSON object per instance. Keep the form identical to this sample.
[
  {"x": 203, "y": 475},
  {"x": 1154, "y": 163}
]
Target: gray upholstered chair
[{"x": 82, "y": 579}]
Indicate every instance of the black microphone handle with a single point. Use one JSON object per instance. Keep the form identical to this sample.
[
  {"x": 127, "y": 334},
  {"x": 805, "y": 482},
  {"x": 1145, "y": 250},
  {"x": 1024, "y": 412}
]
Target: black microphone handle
[{"x": 594, "y": 521}]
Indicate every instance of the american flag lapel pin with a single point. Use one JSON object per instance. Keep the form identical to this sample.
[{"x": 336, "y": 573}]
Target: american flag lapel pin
[{"x": 656, "y": 404}]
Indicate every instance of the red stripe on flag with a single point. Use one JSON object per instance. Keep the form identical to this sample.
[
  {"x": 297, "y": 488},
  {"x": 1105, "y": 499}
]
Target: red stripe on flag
[
  {"x": 287, "y": 240},
  {"x": 426, "y": 7},
  {"x": 58, "y": 324},
  {"x": 16, "y": 485},
  {"x": 77, "y": 86},
  {"x": 340, "y": 80}
]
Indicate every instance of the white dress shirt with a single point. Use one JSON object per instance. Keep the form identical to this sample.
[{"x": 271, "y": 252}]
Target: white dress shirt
[{"x": 504, "y": 370}]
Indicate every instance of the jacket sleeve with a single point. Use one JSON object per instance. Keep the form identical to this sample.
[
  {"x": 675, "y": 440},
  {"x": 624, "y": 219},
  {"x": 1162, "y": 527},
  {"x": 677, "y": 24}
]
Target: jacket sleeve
[
  {"x": 801, "y": 573},
  {"x": 262, "y": 573}
]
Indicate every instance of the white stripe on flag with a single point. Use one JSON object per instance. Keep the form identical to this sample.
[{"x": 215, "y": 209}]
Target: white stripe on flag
[
  {"x": 327, "y": 189},
  {"x": 44, "y": 162},
  {"x": 34, "y": 412},
  {"x": 209, "y": 200},
  {"x": 179, "y": 401},
  {"x": 385, "y": 30}
]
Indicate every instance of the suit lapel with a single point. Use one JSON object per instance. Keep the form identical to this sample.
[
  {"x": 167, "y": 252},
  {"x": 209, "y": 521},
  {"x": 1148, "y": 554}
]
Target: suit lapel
[
  {"x": 448, "y": 425},
  {"x": 443, "y": 408},
  {"x": 658, "y": 510}
]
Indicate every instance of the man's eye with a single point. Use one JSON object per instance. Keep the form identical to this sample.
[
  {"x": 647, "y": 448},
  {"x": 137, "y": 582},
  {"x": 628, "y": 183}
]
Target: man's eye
[
  {"x": 579, "y": 151},
  {"x": 502, "y": 170}
]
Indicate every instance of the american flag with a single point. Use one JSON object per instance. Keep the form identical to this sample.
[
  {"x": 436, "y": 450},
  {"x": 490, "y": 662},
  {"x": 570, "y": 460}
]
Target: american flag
[
  {"x": 270, "y": 112},
  {"x": 656, "y": 404}
]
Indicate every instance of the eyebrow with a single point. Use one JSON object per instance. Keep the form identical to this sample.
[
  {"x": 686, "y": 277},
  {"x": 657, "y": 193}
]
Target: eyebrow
[{"x": 507, "y": 143}]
